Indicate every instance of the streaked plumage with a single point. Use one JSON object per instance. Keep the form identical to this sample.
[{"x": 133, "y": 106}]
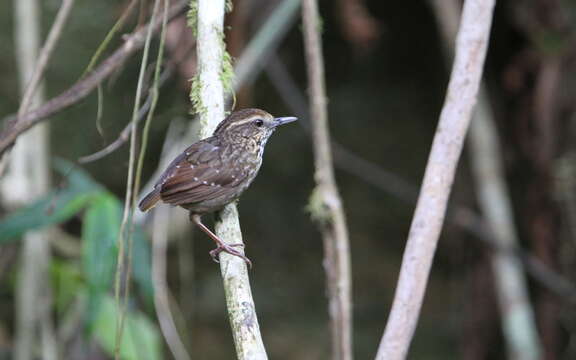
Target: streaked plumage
[{"x": 215, "y": 171}]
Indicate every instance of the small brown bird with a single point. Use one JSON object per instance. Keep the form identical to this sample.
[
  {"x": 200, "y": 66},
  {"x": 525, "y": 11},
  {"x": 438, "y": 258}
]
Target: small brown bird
[{"x": 215, "y": 171}]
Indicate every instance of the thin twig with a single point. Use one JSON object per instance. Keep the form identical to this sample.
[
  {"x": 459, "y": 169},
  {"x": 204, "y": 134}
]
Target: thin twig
[
  {"x": 161, "y": 220},
  {"x": 471, "y": 45},
  {"x": 110, "y": 35},
  {"x": 17, "y": 125},
  {"x": 122, "y": 283},
  {"x": 125, "y": 133},
  {"x": 246, "y": 69},
  {"x": 121, "y": 139},
  {"x": 326, "y": 203},
  {"x": 241, "y": 308},
  {"x": 45, "y": 54}
]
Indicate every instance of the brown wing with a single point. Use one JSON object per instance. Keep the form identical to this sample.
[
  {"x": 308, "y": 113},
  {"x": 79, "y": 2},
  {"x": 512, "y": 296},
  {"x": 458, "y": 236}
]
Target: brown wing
[{"x": 197, "y": 175}]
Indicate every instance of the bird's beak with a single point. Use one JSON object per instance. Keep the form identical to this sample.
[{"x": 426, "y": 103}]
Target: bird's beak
[{"x": 285, "y": 120}]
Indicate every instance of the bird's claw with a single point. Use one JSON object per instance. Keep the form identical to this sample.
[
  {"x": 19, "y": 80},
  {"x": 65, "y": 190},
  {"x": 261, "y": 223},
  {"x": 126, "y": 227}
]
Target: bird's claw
[{"x": 229, "y": 248}]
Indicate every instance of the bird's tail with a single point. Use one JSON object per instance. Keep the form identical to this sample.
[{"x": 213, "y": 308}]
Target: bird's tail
[{"x": 150, "y": 200}]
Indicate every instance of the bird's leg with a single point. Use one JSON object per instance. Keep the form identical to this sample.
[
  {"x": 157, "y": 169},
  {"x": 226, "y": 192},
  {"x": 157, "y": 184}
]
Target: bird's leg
[{"x": 221, "y": 246}]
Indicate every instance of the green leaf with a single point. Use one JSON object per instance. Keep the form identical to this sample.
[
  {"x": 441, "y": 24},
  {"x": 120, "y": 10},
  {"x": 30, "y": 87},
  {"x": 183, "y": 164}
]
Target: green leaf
[
  {"x": 99, "y": 236},
  {"x": 140, "y": 340},
  {"x": 54, "y": 208},
  {"x": 99, "y": 250}
]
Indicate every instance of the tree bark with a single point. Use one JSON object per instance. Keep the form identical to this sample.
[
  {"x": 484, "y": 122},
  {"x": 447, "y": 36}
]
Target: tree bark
[
  {"x": 517, "y": 316},
  {"x": 471, "y": 45}
]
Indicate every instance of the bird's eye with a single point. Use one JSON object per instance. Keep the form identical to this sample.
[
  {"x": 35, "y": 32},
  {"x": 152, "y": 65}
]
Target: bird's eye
[{"x": 258, "y": 122}]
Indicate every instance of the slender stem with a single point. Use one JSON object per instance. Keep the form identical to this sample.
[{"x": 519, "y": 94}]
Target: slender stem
[
  {"x": 122, "y": 281},
  {"x": 241, "y": 309},
  {"x": 326, "y": 203},
  {"x": 161, "y": 301},
  {"x": 110, "y": 35},
  {"x": 471, "y": 45},
  {"x": 20, "y": 124},
  {"x": 46, "y": 53},
  {"x": 248, "y": 66},
  {"x": 154, "y": 93}
]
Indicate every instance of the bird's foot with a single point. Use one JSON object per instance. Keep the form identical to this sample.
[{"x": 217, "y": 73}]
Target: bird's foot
[{"x": 229, "y": 248}]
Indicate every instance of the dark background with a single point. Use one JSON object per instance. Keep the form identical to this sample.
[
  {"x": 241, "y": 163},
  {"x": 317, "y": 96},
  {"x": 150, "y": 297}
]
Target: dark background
[{"x": 385, "y": 96}]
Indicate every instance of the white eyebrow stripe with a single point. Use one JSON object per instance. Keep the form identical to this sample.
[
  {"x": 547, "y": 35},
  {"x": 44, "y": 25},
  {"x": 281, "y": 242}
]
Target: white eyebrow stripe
[{"x": 245, "y": 121}]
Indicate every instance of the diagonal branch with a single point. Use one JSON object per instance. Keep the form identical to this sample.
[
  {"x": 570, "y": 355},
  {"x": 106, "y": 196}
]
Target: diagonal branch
[
  {"x": 517, "y": 316},
  {"x": 45, "y": 54},
  {"x": 471, "y": 45},
  {"x": 125, "y": 133},
  {"x": 16, "y": 125}
]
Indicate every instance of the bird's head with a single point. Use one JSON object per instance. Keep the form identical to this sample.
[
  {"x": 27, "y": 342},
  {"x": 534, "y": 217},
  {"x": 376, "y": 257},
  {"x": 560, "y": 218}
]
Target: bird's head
[{"x": 254, "y": 124}]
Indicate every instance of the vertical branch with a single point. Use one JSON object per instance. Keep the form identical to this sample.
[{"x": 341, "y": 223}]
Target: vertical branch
[
  {"x": 211, "y": 55},
  {"x": 26, "y": 179},
  {"x": 430, "y": 211},
  {"x": 210, "y": 52},
  {"x": 518, "y": 325},
  {"x": 326, "y": 204}
]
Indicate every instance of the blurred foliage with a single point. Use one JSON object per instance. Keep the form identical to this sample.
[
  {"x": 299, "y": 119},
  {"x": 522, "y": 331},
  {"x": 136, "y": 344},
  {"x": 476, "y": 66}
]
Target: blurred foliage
[
  {"x": 141, "y": 340},
  {"x": 101, "y": 214},
  {"x": 56, "y": 207},
  {"x": 100, "y": 229}
]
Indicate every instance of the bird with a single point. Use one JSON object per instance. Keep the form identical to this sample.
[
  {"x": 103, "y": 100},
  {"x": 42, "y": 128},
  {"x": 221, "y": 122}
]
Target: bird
[{"x": 215, "y": 171}]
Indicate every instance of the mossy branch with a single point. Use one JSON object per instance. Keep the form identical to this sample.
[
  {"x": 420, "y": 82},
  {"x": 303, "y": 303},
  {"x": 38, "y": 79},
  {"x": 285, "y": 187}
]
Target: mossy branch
[{"x": 213, "y": 78}]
